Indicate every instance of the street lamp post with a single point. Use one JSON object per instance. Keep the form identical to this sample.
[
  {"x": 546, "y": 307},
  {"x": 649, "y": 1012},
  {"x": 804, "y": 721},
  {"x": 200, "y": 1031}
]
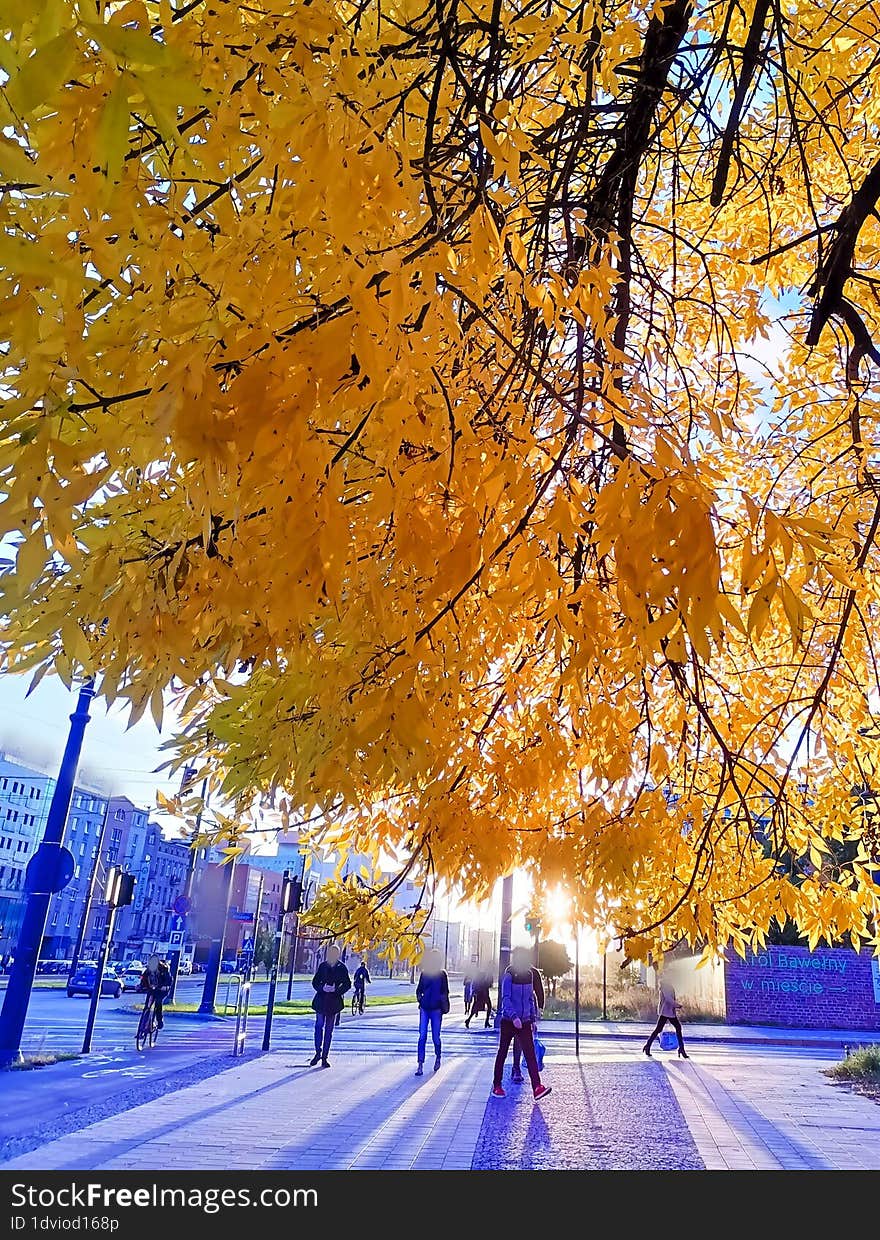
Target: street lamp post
[
  {"x": 605, "y": 981},
  {"x": 506, "y": 916},
  {"x": 119, "y": 892},
  {"x": 189, "y": 773},
  {"x": 212, "y": 969},
  {"x": 47, "y": 865},
  {"x": 303, "y": 902},
  {"x": 576, "y": 991},
  {"x": 90, "y": 892},
  {"x": 288, "y": 902},
  {"x": 244, "y": 993}
]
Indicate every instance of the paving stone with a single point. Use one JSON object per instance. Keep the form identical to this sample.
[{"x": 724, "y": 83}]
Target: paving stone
[{"x": 602, "y": 1116}]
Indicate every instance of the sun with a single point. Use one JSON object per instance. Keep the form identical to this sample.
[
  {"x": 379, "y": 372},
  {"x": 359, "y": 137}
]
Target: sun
[{"x": 557, "y": 905}]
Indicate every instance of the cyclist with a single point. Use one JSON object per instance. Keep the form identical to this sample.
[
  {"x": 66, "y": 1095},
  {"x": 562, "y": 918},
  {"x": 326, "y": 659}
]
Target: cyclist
[
  {"x": 361, "y": 980},
  {"x": 156, "y": 982}
]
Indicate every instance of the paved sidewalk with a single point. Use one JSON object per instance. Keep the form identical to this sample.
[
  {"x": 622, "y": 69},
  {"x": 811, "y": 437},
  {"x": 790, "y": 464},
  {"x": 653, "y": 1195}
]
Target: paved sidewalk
[
  {"x": 276, "y": 1113},
  {"x": 737, "y": 1107},
  {"x": 603, "y": 1115},
  {"x": 782, "y": 1114}
]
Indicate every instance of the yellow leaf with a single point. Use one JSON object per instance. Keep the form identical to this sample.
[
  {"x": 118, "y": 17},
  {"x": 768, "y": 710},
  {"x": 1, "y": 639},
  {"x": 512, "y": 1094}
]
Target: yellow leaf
[
  {"x": 135, "y": 47},
  {"x": 112, "y": 131},
  {"x": 43, "y": 73},
  {"x": 157, "y": 706}
]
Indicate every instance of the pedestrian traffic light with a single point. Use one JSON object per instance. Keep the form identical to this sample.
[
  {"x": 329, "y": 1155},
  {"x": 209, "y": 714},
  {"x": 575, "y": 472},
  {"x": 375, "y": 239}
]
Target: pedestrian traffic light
[
  {"x": 533, "y": 923},
  {"x": 119, "y": 889},
  {"x": 291, "y": 893}
]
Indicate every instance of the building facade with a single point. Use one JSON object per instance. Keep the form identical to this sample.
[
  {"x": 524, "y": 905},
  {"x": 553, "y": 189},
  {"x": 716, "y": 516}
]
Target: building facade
[
  {"x": 99, "y": 832},
  {"x": 82, "y": 834},
  {"x": 25, "y": 796}
]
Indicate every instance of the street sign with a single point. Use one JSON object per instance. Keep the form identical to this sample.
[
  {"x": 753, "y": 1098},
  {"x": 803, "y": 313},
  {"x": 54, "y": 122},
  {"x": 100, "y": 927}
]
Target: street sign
[
  {"x": 235, "y": 915},
  {"x": 182, "y": 905},
  {"x": 176, "y": 923},
  {"x": 175, "y": 938},
  {"x": 49, "y": 870}
]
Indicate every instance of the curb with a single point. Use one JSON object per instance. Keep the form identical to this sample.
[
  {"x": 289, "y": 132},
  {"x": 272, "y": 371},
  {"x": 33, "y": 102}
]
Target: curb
[
  {"x": 825, "y": 1042},
  {"x": 136, "y": 1011}
]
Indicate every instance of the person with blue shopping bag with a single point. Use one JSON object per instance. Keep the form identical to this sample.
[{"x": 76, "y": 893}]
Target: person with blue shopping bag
[
  {"x": 667, "y": 1010},
  {"x": 516, "y": 1074},
  {"x": 518, "y": 1007}
]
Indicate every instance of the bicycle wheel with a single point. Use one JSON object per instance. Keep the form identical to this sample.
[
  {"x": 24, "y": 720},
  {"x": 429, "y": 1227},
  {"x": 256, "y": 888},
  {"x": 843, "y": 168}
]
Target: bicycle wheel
[
  {"x": 144, "y": 1035},
  {"x": 154, "y": 1026}
]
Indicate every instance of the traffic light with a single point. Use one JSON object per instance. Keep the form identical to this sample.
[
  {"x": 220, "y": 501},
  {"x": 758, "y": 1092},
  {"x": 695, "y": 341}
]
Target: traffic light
[
  {"x": 119, "y": 888},
  {"x": 533, "y": 923},
  {"x": 291, "y": 893}
]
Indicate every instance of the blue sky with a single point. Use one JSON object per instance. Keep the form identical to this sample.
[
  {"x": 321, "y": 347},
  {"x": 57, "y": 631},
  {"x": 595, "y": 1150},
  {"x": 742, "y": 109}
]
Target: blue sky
[{"x": 114, "y": 760}]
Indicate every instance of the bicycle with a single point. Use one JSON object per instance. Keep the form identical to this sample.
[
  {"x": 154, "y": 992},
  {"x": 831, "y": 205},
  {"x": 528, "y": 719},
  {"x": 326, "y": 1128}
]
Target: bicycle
[
  {"x": 148, "y": 1025},
  {"x": 358, "y": 1003}
]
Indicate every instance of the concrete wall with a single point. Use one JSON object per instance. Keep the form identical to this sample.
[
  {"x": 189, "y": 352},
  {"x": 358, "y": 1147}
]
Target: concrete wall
[{"x": 794, "y": 987}]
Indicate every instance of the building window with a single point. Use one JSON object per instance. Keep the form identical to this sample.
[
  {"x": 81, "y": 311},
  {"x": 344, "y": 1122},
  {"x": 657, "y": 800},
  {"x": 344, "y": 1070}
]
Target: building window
[
  {"x": 39, "y": 793},
  {"x": 119, "y": 815}
]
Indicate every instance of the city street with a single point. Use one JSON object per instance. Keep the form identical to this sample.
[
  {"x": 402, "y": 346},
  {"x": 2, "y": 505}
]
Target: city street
[{"x": 735, "y": 1103}]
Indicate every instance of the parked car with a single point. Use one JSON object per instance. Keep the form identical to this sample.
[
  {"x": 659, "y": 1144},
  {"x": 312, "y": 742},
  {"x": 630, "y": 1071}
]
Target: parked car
[
  {"x": 227, "y": 966},
  {"x": 131, "y": 977},
  {"x": 83, "y": 980},
  {"x": 136, "y": 964}
]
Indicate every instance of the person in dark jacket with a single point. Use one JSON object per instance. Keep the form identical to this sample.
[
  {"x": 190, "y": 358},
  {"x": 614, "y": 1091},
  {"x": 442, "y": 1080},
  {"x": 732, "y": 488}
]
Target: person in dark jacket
[
  {"x": 156, "y": 981},
  {"x": 331, "y": 981},
  {"x": 432, "y": 993},
  {"x": 538, "y": 983},
  {"x": 481, "y": 998},
  {"x": 518, "y": 1007}
]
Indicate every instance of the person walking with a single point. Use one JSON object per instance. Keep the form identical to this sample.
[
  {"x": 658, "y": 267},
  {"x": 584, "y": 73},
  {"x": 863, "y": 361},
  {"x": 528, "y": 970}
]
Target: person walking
[
  {"x": 518, "y": 1008},
  {"x": 432, "y": 993},
  {"x": 667, "y": 1009},
  {"x": 331, "y": 981},
  {"x": 481, "y": 998},
  {"x": 468, "y": 992},
  {"x": 538, "y": 984}
]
